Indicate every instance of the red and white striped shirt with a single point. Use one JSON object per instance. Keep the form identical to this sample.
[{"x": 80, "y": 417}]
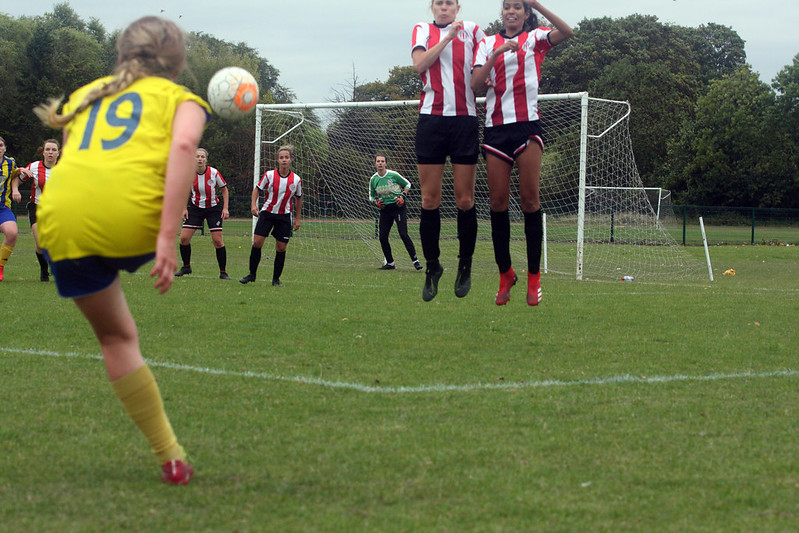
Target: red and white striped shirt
[
  {"x": 280, "y": 191},
  {"x": 446, "y": 86},
  {"x": 203, "y": 192},
  {"x": 40, "y": 176},
  {"x": 515, "y": 77}
]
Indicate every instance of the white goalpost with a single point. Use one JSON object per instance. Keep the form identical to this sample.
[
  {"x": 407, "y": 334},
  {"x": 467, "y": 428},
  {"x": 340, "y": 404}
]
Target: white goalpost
[{"x": 601, "y": 222}]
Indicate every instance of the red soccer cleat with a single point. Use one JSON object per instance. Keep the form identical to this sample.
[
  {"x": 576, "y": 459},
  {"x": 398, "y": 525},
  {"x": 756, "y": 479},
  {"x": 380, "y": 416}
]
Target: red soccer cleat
[
  {"x": 534, "y": 293},
  {"x": 1, "y": 273},
  {"x": 506, "y": 281},
  {"x": 176, "y": 472}
]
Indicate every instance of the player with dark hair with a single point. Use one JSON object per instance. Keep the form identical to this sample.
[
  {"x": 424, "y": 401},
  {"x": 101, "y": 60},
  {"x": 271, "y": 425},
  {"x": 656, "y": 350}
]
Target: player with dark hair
[
  {"x": 37, "y": 173},
  {"x": 204, "y": 206},
  {"x": 442, "y": 54},
  {"x": 8, "y": 222},
  {"x": 128, "y": 162},
  {"x": 510, "y": 64},
  {"x": 283, "y": 195},
  {"x": 386, "y": 191}
]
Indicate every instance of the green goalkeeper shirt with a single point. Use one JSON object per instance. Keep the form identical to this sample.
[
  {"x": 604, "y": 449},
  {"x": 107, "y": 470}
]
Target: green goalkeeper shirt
[{"x": 387, "y": 187}]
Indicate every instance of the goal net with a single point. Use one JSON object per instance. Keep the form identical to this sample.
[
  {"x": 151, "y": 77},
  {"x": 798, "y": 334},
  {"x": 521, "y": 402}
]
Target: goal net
[{"x": 600, "y": 220}]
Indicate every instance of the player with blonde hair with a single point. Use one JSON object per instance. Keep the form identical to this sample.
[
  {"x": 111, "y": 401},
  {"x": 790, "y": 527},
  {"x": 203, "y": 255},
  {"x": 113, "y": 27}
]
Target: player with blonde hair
[{"x": 128, "y": 162}]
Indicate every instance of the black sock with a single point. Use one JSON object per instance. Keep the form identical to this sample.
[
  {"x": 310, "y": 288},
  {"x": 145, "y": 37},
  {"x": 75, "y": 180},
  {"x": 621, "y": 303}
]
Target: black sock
[
  {"x": 42, "y": 263},
  {"x": 185, "y": 254},
  {"x": 221, "y": 258},
  {"x": 500, "y": 236},
  {"x": 430, "y": 233},
  {"x": 255, "y": 259},
  {"x": 467, "y": 232},
  {"x": 534, "y": 232},
  {"x": 280, "y": 260}
]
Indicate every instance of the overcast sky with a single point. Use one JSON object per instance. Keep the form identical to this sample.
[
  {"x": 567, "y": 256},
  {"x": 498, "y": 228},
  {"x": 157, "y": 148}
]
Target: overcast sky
[{"x": 317, "y": 45}]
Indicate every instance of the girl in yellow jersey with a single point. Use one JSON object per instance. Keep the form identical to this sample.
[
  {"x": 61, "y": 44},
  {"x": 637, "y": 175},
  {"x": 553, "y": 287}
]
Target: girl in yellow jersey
[{"x": 114, "y": 201}]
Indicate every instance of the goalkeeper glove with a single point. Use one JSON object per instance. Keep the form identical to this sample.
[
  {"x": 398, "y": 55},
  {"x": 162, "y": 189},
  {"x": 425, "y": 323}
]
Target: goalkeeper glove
[
  {"x": 380, "y": 204},
  {"x": 400, "y": 201}
]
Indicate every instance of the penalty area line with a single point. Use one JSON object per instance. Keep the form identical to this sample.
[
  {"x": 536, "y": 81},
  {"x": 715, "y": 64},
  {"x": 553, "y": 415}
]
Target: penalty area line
[{"x": 610, "y": 380}]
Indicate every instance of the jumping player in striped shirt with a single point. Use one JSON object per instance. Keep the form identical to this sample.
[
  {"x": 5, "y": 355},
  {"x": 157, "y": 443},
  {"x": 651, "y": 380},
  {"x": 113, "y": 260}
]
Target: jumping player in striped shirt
[
  {"x": 204, "y": 206},
  {"x": 510, "y": 64},
  {"x": 282, "y": 189},
  {"x": 442, "y": 53},
  {"x": 37, "y": 173}
]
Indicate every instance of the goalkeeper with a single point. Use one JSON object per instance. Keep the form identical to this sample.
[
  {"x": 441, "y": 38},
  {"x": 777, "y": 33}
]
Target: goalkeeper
[{"x": 386, "y": 189}]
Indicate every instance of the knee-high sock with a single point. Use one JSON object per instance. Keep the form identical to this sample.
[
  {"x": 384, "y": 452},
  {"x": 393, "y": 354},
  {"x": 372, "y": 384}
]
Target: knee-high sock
[
  {"x": 467, "y": 232},
  {"x": 255, "y": 259},
  {"x": 139, "y": 394},
  {"x": 221, "y": 258},
  {"x": 430, "y": 233},
  {"x": 534, "y": 232},
  {"x": 5, "y": 253},
  {"x": 42, "y": 263},
  {"x": 185, "y": 254},
  {"x": 500, "y": 236},
  {"x": 280, "y": 260}
]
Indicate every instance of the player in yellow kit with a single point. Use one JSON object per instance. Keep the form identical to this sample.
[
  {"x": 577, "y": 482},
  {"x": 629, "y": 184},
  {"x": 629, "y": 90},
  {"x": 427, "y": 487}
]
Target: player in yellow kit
[{"x": 114, "y": 201}]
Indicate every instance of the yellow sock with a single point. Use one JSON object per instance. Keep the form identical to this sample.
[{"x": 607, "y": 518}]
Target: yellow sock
[
  {"x": 139, "y": 394},
  {"x": 5, "y": 253}
]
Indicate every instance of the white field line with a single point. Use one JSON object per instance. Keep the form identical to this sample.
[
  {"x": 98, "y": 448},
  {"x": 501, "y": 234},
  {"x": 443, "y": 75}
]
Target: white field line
[{"x": 610, "y": 380}]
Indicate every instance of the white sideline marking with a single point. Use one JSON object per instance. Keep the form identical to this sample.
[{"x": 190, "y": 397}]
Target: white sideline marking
[{"x": 626, "y": 378}]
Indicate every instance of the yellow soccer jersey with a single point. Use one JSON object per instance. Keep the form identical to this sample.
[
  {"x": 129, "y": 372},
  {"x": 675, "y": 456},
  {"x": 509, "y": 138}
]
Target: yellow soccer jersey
[{"x": 105, "y": 195}]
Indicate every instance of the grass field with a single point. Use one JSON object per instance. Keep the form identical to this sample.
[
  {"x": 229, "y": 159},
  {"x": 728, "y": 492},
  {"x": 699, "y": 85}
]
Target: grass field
[{"x": 343, "y": 402}]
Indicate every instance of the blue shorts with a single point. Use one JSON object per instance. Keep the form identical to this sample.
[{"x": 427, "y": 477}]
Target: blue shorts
[
  {"x": 6, "y": 215},
  {"x": 81, "y": 277}
]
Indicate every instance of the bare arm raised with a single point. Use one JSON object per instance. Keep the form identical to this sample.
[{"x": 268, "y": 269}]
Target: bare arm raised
[{"x": 562, "y": 30}]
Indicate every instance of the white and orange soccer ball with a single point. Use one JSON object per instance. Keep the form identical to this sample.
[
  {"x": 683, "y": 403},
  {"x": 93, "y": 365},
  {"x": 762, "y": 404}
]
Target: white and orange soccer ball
[{"x": 232, "y": 92}]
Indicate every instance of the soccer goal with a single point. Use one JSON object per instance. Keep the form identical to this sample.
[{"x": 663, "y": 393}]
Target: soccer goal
[{"x": 600, "y": 220}]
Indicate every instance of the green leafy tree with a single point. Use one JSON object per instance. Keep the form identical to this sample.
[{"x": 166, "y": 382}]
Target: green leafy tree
[
  {"x": 230, "y": 143},
  {"x": 62, "y": 53},
  {"x": 785, "y": 123},
  {"x": 723, "y": 156},
  {"x": 14, "y": 35},
  {"x": 718, "y": 49},
  {"x": 637, "y": 59}
]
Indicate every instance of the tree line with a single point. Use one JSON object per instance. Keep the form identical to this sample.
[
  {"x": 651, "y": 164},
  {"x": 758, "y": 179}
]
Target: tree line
[
  {"x": 703, "y": 124},
  {"x": 53, "y": 54}
]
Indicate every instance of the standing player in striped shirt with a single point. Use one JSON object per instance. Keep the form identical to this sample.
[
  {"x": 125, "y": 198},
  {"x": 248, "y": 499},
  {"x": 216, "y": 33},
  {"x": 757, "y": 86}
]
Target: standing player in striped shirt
[
  {"x": 38, "y": 173},
  {"x": 510, "y": 63},
  {"x": 283, "y": 194},
  {"x": 442, "y": 54},
  {"x": 204, "y": 206}
]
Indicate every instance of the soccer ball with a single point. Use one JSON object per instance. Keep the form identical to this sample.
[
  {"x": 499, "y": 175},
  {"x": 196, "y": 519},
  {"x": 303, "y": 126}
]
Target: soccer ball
[{"x": 232, "y": 92}]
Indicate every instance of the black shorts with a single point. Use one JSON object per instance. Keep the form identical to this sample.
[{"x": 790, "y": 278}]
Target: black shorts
[
  {"x": 278, "y": 225},
  {"x": 31, "y": 213},
  {"x": 438, "y": 137},
  {"x": 509, "y": 140},
  {"x": 197, "y": 214}
]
